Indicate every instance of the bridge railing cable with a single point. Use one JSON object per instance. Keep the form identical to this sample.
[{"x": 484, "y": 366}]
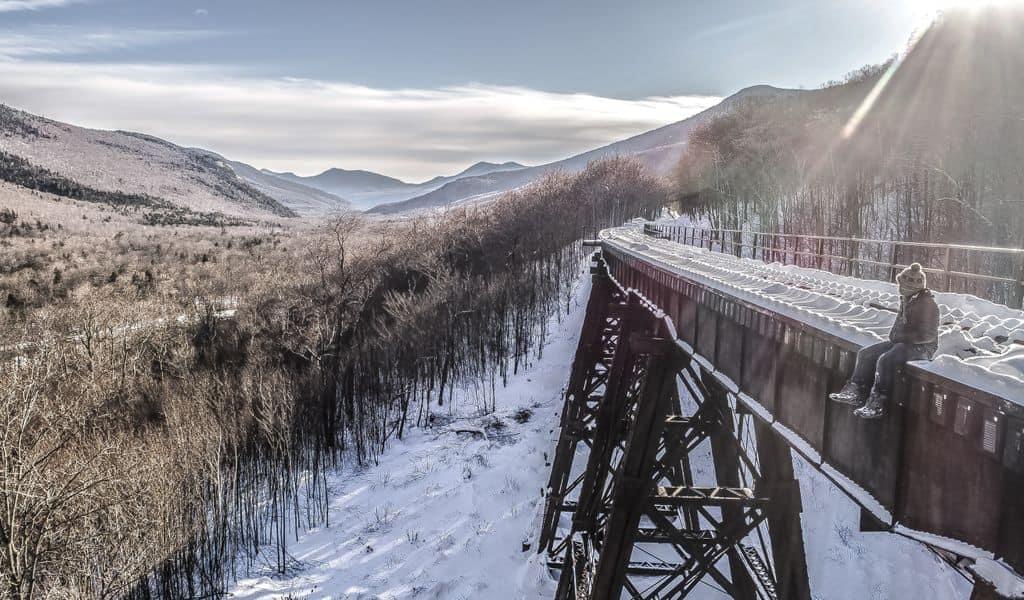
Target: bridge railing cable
[{"x": 989, "y": 272}]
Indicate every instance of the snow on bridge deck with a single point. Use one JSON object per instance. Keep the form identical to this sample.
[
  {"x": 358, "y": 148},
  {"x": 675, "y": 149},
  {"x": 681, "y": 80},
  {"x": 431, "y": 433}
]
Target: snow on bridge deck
[{"x": 981, "y": 344}]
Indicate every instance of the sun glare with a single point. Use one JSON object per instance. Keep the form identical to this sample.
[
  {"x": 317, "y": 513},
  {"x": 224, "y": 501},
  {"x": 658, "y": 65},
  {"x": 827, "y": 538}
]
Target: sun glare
[{"x": 935, "y": 6}]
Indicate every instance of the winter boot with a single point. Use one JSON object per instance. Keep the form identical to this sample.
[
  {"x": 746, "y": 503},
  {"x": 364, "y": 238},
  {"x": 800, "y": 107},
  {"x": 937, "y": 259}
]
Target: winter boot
[
  {"x": 874, "y": 408},
  {"x": 851, "y": 394}
]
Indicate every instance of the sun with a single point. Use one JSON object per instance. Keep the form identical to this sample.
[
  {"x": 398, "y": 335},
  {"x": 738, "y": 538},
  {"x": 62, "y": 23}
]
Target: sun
[{"x": 936, "y": 6}]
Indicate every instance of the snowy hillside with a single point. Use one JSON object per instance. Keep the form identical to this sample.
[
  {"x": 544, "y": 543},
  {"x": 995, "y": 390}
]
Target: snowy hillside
[
  {"x": 303, "y": 199},
  {"x": 133, "y": 163},
  {"x": 452, "y": 511}
]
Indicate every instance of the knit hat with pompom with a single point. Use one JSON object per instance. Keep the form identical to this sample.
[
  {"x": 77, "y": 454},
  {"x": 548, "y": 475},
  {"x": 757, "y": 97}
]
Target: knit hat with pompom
[{"x": 912, "y": 280}]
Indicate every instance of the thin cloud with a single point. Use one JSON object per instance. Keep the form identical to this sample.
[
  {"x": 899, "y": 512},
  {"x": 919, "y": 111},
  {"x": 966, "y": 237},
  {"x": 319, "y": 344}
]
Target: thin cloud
[
  {"x": 761, "y": 20},
  {"x": 307, "y": 126},
  {"x": 201, "y": 12},
  {"x": 58, "y": 40},
  {"x": 13, "y": 5}
]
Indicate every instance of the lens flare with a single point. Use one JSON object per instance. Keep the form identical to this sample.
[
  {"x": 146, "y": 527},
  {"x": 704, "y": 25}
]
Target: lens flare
[
  {"x": 928, "y": 10},
  {"x": 934, "y": 6},
  {"x": 870, "y": 99}
]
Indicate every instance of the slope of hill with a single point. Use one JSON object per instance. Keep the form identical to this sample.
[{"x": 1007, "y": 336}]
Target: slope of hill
[
  {"x": 481, "y": 168},
  {"x": 133, "y": 164},
  {"x": 303, "y": 199},
  {"x": 659, "y": 149},
  {"x": 344, "y": 181},
  {"x": 361, "y": 188},
  {"x": 366, "y": 189}
]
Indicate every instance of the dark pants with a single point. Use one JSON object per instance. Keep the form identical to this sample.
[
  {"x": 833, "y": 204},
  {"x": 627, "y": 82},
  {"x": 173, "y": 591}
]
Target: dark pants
[{"x": 877, "y": 364}]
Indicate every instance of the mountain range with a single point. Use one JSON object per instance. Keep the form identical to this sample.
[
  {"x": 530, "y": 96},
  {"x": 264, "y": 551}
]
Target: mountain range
[
  {"x": 659, "y": 150},
  {"x": 203, "y": 181},
  {"x": 365, "y": 189}
]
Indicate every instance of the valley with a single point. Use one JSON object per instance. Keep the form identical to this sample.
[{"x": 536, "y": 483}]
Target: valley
[{"x": 361, "y": 346}]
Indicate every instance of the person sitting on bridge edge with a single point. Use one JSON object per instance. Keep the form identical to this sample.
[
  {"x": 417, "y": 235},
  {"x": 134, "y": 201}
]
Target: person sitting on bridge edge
[{"x": 914, "y": 336}]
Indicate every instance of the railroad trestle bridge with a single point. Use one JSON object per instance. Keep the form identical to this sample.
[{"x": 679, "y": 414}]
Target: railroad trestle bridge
[{"x": 666, "y": 363}]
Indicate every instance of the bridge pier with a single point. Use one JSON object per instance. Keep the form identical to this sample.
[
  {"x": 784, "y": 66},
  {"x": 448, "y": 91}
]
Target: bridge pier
[
  {"x": 726, "y": 459},
  {"x": 775, "y": 460},
  {"x": 637, "y": 492},
  {"x": 591, "y": 366}
]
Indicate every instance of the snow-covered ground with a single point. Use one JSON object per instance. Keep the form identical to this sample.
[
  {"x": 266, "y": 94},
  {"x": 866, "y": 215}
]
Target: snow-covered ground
[
  {"x": 980, "y": 343},
  {"x": 446, "y": 512},
  {"x": 844, "y": 563}
]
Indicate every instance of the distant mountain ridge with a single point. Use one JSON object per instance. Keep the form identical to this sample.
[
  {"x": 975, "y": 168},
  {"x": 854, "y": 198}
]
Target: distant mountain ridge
[
  {"x": 303, "y": 199},
  {"x": 343, "y": 181},
  {"x": 197, "y": 179},
  {"x": 659, "y": 149},
  {"x": 366, "y": 188}
]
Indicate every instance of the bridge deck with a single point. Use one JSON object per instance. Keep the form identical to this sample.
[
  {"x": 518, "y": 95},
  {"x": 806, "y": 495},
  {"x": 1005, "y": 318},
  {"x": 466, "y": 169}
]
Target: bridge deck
[{"x": 946, "y": 465}]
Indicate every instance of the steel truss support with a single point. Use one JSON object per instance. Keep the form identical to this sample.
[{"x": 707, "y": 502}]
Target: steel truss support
[
  {"x": 602, "y": 327},
  {"x": 772, "y": 478},
  {"x": 726, "y": 457},
  {"x": 775, "y": 459},
  {"x": 640, "y": 526}
]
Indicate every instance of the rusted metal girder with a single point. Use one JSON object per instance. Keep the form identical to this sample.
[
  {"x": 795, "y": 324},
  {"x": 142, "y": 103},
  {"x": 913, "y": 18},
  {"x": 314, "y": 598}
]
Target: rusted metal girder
[
  {"x": 775, "y": 459},
  {"x": 633, "y": 482},
  {"x": 587, "y": 382},
  {"x": 726, "y": 458},
  {"x": 624, "y": 376}
]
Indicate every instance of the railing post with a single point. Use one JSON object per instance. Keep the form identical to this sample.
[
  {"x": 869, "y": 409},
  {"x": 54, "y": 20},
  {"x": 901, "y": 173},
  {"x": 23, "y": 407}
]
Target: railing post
[
  {"x": 1020, "y": 285},
  {"x": 851, "y": 257},
  {"x": 945, "y": 268},
  {"x": 892, "y": 261}
]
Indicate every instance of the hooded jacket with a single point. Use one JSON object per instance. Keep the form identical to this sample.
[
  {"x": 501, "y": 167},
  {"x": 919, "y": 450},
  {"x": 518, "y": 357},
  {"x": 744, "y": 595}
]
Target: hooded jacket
[{"x": 917, "y": 321}]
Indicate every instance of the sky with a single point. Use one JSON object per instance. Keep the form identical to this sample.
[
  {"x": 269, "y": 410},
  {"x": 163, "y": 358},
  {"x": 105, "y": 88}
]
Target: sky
[{"x": 420, "y": 88}]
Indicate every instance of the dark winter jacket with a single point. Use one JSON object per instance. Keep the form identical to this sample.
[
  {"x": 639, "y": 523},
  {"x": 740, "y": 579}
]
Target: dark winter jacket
[{"x": 917, "y": 321}]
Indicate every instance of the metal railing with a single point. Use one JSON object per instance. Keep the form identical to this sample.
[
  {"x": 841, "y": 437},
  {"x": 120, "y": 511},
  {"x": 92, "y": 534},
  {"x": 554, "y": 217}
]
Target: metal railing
[{"x": 989, "y": 272}]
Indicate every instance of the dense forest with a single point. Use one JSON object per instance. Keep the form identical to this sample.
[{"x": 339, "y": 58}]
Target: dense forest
[
  {"x": 157, "y": 432},
  {"x": 927, "y": 147}
]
